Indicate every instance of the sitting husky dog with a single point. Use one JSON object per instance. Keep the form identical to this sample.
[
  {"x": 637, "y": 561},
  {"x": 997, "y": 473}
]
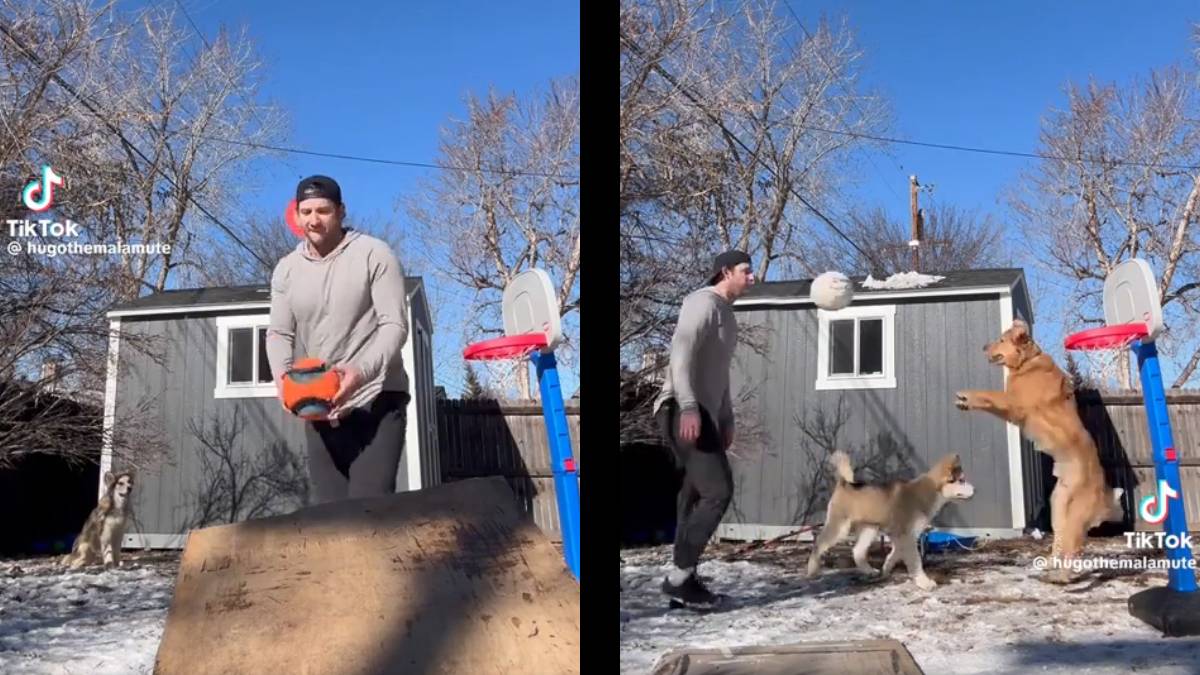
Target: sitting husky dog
[
  {"x": 902, "y": 509},
  {"x": 105, "y": 527}
]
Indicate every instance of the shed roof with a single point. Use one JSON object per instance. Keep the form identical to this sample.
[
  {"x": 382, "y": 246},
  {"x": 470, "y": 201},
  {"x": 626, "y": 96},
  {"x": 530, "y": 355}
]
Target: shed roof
[
  {"x": 955, "y": 283},
  {"x": 220, "y": 295},
  {"x": 958, "y": 279}
]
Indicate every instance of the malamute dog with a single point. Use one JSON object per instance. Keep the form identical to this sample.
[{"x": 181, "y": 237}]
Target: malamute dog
[
  {"x": 902, "y": 509},
  {"x": 101, "y": 537}
]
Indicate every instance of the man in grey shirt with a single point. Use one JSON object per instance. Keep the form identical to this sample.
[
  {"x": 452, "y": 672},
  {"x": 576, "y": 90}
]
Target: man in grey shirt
[
  {"x": 695, "y": 416},
  {"x": 339, "y": 296}
]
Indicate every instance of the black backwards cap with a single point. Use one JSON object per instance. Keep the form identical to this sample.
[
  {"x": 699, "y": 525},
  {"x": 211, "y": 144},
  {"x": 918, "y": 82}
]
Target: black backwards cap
[
  {"x": 317, "y": 187},
  {"x": 726, "y": 259}
]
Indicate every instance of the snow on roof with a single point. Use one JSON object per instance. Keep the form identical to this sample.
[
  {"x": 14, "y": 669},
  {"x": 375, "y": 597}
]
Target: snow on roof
[{"x": 902, "y": 280}]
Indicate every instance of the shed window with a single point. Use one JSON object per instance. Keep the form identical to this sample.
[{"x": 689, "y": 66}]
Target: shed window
[
  {"x": 248, "y": 365},
  {"x": 856, "y": 348},
  {"x": 242, "y": 366}
]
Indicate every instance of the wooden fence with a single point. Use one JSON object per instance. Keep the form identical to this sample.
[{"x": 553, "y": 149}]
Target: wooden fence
[
  {"x": 479, "y": 438},
  {"x": 1117, "y": 420}
]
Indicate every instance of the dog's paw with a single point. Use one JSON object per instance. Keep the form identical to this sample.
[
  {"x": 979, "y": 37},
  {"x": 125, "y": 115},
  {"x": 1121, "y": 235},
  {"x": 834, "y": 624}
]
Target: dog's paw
[
  {"x": 1059, "y": 577},
  {"x": 962, "y": 400},
  {"x": 925, "y": 583}
]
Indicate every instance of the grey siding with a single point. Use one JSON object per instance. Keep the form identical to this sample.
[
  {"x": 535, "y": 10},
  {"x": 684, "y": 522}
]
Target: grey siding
[
  {"x": 1021, "y": 308},
  {"x": 178, "y": 391},
  {"x": 423, "y": 396},
  {"x": 938, "y": 351},
  {"x": 421, "y": 333}
]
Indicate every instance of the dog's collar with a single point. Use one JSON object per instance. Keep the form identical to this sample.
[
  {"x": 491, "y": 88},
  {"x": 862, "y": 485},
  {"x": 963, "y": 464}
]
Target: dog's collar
[{"x": 1027, "y": 364}]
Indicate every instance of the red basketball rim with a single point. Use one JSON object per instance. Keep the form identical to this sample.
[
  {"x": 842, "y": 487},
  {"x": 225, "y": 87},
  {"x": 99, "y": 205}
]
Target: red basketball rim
[
  {"x": 289, "y": 216},
  {"x": 1107, "y": 337},
  {"x": 508, "y": 347}
]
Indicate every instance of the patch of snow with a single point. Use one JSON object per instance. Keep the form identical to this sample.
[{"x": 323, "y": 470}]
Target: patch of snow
[
  {"x": 991, "y": 613},
  {"x": 902, "y": 280},
  {"x": 87, "y": 621}
]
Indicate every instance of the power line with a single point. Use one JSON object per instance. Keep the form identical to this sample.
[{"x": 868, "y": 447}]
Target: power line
[
  {"x": 373, "y": 160},
  {"x": 849, "y": 97},
  {"x": 130, "y": 146},
  {"x": 376, "y": 160},
  {"x": 965, "y": 148},
  {"x": 208, "y": 46},
  {"x": 728, "y": 134},
  {"x": 993, "y": 151}
]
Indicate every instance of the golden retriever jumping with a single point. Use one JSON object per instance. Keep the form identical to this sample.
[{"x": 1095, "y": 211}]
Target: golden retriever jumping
[{"x": 1040, "y": 400}]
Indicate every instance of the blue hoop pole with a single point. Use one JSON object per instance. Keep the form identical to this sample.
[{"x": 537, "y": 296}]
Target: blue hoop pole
[
  {"x": 1166, "y": 464},
  {"x": 566, "y": 478}
]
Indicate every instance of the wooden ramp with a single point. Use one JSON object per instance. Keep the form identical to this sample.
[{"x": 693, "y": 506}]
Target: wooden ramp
[
  {"x": 453, "y": 579},
  {"x": 862, "y": 657}
]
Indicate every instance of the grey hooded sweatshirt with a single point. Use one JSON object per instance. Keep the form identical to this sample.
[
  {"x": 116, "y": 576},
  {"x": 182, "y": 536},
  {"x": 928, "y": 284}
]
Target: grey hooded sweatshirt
[
  {"x": 348, "y": 307},
  {"x": 701, "y": 354}
]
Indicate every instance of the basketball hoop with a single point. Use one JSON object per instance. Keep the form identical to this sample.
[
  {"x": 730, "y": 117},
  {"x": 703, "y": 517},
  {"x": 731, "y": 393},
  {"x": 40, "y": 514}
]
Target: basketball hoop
[
  {"x": 532, "y": 330},
  {"x": 289, "y": 216},
  {"x": 1107, "y": 337},
  {"x": 510, "y": 347}
]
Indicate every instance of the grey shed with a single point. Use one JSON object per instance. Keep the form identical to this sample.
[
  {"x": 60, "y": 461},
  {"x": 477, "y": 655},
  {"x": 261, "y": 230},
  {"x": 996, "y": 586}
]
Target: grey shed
[
  {"x": 213, "y": 372},
  {"x": 876, "y": 379}
]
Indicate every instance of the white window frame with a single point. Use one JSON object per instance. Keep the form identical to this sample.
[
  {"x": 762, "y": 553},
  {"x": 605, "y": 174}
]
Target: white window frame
[
  {"x": 826, "y": 382},
  {"x": 223, "y": 388}
]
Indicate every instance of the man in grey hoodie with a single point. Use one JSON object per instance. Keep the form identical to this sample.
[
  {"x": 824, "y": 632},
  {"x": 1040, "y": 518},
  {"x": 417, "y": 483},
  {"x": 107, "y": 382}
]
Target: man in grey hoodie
[
  {"x": 695, "y": 416},
  {"x": 339, "y": 296}
]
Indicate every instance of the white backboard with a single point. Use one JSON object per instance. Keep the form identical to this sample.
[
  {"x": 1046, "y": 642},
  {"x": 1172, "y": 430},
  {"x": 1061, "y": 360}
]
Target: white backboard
[
  {"x": 530, "y": 306},
  {"x": 1131, "y": 294}
]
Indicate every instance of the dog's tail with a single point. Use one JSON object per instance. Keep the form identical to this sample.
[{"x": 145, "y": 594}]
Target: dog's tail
[{"x": 841, "y": 467}]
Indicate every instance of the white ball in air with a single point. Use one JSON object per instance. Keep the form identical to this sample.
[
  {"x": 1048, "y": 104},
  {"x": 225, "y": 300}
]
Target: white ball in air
[{"x": 832, "y": 291}]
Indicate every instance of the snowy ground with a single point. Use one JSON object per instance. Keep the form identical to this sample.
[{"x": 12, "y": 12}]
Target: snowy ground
[
  {"x": 991, "y": 612},
  {"x": 92, "y": 621}
]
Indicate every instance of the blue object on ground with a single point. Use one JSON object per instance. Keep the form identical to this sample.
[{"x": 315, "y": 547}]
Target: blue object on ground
[{"x": 945, "y": 541}]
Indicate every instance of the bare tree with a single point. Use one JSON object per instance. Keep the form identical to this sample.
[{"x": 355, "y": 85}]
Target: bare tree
[
  {"x": 732, "y": 135},
  {"x": 1122, "y": 183},
  {"x": 173, "y": 106},
  {"x": 269, "y": 239},
  {"x": 115, "y": 104},
  {"x": 267, "y": 235},
  {"x": 509, "y": 203},
  {"x": 239, "y": 482},
  {"x": 954, "y": 239}
]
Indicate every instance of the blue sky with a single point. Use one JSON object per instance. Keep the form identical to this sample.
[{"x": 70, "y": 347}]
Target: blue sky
[
  {"x": 984, "y": 74},
  {"x": 381, "y": 80}
]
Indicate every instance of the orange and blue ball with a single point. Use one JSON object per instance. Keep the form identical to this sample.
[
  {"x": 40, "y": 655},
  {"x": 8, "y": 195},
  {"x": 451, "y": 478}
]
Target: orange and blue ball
[{"x": 309, "y": 387}]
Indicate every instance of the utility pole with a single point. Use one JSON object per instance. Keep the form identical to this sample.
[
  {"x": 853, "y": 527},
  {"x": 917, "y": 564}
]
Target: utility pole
[{"x": 915, "y": 243}]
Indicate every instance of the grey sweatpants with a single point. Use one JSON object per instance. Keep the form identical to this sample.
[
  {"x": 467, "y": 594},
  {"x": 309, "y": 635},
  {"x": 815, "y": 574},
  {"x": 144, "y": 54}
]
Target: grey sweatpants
[
  {"x": 707, "y": 483},
  {"x": 360, "y": 456}
]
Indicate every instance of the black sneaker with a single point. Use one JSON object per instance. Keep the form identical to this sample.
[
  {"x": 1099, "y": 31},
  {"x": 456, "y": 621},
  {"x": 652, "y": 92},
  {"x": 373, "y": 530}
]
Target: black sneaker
[{"x": 690, "y": 592}]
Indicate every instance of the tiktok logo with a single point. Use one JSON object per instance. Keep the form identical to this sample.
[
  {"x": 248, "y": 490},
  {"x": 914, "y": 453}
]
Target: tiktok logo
[
  {"x": 44, "y": 189},
  {"x": 1153, "y": 508}
]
